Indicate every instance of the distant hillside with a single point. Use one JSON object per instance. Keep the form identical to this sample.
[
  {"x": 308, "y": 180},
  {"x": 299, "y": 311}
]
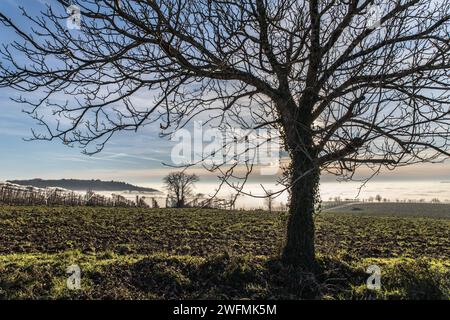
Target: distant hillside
[{"x": 73, "y": 184}]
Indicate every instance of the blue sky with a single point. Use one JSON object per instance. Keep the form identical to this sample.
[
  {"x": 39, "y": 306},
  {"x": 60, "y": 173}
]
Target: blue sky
[
  {"x": 126, "y": 157},
  {"x": 133, "y": 157},
  {"x": 142, "y": 151},
  {"x": 25, "y": 159}
]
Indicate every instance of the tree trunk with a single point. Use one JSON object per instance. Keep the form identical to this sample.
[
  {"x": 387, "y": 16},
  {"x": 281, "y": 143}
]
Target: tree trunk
[
  {"x": 299, "y": 248},
  {"x": 304, "y": 177}
]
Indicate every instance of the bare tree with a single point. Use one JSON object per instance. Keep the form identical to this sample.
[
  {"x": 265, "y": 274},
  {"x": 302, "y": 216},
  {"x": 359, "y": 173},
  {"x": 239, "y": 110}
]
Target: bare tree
[
  {"x": 346, "y": 83},
  {"x": 179, "y": 185},
  {"x": 269, "y": 200}
]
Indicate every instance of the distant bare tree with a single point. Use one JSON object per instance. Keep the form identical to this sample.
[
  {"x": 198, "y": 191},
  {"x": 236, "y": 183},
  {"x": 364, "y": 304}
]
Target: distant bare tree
[
  {"x": 269, "y": 200},
  {"x": 378, "y": 198},
  {"x": 347, "y": 83},
  {"x": 155, "y": 203},
  {"x": 179, "y": 186},
  {"x": 232, "y": 201}
]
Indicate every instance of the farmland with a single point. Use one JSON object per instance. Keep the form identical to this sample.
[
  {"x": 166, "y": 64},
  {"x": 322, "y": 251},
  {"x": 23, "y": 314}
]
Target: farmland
[
  {"x": 401, "y": 209},
  {"x": 190, "y": 253}
]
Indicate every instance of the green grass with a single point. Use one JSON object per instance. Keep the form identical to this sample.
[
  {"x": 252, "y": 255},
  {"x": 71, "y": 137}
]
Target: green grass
[{"x": 198, "y": 254}]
